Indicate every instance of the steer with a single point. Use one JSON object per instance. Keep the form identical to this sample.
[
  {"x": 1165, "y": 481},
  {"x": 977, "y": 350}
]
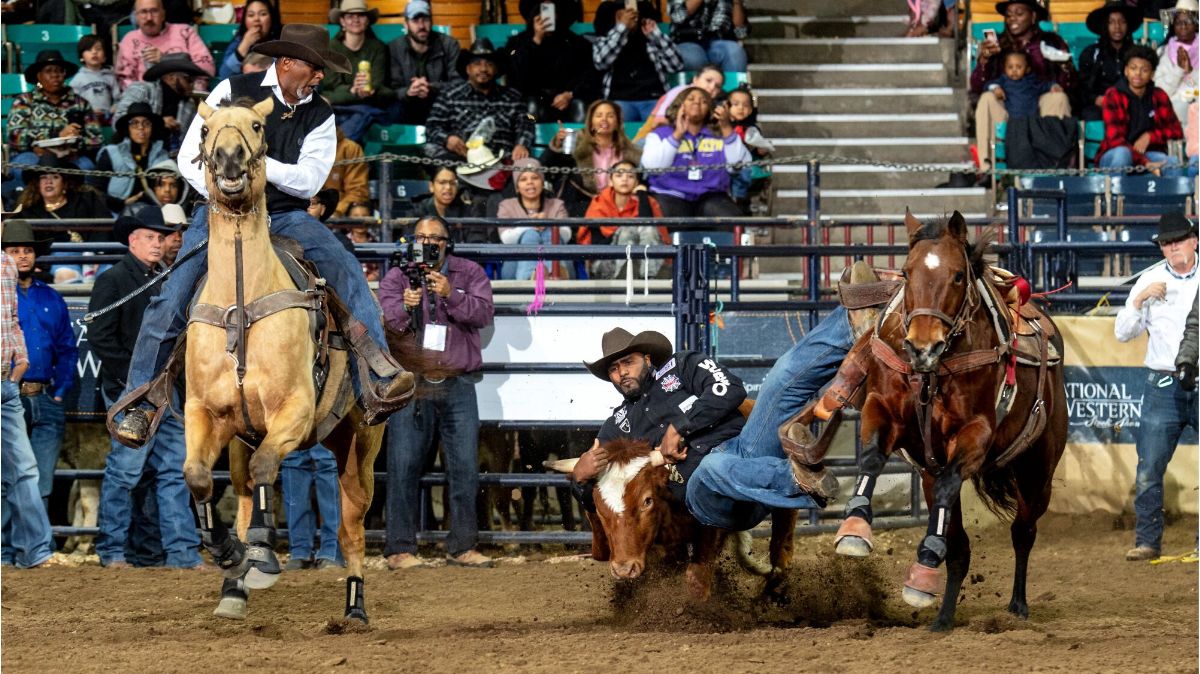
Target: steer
[{"x": 636, "y": 511}]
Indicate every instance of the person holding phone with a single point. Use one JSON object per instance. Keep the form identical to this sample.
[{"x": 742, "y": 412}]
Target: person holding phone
[
  {"x": 706, "y": 31},
  {"x": 550, "y": 65},
  {"x": 634, "y": 58}
]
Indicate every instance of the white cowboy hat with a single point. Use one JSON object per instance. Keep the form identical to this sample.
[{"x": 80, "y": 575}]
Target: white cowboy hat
[{"x": 485, "y": 166}]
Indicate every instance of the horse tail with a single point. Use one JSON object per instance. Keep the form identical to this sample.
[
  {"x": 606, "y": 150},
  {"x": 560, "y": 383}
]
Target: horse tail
[{"x": 997, "y": 488}]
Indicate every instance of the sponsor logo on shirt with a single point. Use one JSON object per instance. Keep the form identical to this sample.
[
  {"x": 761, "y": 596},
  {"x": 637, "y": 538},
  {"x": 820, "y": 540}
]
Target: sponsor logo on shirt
[
  {"x": 664, "y": 369},
  {"x": 671, "y": 383}
]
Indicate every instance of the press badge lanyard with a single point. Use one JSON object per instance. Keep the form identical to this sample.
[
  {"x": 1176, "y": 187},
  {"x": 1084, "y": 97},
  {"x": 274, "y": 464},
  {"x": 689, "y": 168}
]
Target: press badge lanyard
[
  {"x": 434, "y": 336},
  {"x": 694, "y": 170}
]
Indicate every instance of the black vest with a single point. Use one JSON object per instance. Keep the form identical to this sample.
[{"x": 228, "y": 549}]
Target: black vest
[{"x": 285, "y": 137}]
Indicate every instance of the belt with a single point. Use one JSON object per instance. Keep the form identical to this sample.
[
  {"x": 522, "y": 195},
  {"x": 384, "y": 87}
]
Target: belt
[{"x": 32, "y": 388}]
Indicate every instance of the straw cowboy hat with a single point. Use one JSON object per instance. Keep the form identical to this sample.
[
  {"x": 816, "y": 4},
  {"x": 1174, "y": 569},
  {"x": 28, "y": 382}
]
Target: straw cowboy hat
[
  {"x": 308, "y": 43},
  {"x": 20, "y": 233},
  {"x": 1097, "y": 19},
  {"x": 1173, "y": 227},
  {"x": 49, "y": 57},
  {"x": 1038, "y": 7},
  {"x": 619, "y": 342},
  {"x": 353, "y": 7}
]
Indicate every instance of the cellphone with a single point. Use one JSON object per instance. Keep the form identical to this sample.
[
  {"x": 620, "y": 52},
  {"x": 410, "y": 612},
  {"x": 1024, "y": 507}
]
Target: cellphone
[
  {"x": 548, "y": 15},
  {"x": 631, "y": 5},
  {"x": 989, "y": 34}
]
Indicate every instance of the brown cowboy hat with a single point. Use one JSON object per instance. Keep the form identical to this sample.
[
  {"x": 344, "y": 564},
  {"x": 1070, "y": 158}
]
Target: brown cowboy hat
[
  {"x": 307, "y": 42},
  {"x": 49, "y": 57},
  {"x": 619, "y": 342},
  {"x": 353, "y": 7},
  {"x": 20, "y": 233},
  {"x": 1097, "y": 19},
  {"x": 1038, "y": 7}
]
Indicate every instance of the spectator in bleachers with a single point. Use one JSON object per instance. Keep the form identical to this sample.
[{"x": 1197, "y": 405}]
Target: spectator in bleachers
[
  {"x": 302, "y": 473},
  {"x": 162, "y": 184},
  {"x": 256, "y": 63},
  {"x": 167, "y": 89},
  {"x": 137, "y": 145},
  {"x": 49, "y": 193},
  {"x": 1192, "y": 145},
  {"x": 153, "y": 39},
  {"x": 350, "y": 180},
  {"x": 175, "y": 218},
  {"x": 1139, "y": 119},
  {"x": 531, "y": 203},
  {"x": 690, "y": 145},
  {"x": 1177, "y": 60},
  {"x": 624, "y": 197},
  {"x": 446, "y": 201},
  {"x": 458, "y": 110},
  {"x": 707, "y": 31},
  {"x": 1049, "y": 57},
  {"x": 1018, "y": 88},
  {"x": 95, "y": 82},
  {"x": 709, "y": 78},
  {"x": 423, "y": 63},
  {"x": 360, "y": 98},
  {"x": 260, "y": 23},
  {"x": 743, "y": 114},
  {"x": 552, "y": 66},
  {"x": 634, "y": 58},
  {"x": 932, "y": 17},
  {"x": 600, "y": 144},
  {"x": 50, "y": 344},
  {"x": 50, "y": 112},
  {"x": 362, "y": 234},
  {"x": 1101, "y": 64}
]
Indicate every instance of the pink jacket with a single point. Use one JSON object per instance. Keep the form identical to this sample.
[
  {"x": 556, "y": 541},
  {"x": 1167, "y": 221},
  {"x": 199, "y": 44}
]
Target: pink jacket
[
  {"x": 1192, "y": 130},
  {"x": 175, "y": 37}
]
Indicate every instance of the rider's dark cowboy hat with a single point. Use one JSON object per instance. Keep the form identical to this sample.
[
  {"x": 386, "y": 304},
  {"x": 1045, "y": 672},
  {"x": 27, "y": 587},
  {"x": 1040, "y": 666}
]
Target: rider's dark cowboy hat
[
  {"x": 150, "y": 218},
  {"x": 307, "y": 42},
  {"x": 20, "y": 233},
  {"x": 175, "y": 62},
  {"x": 48, "y": 57},
  {"x": 1173, "y": 227},
  {"x": 619, "y": 342},
  {"x": 1097, "y": 19},
  {"x": 480, "y": 49},
  {"x": 1038, "y": 7}
]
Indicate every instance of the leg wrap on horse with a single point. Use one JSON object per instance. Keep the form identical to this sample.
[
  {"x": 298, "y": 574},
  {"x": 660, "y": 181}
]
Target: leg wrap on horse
[
  {"x": 356, "y": 605},
  {"x": 233, "y": 599},
  {"x": 262, "y": 518},
  {"x": 932, "y": 550},
  {"x": 227, "y": 551},
  {"x": 860, "y": 503},
  {"x": 264, "y": 568}
]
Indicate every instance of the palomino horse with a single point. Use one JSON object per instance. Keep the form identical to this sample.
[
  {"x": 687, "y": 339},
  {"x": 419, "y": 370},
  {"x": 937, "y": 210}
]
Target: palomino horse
[
  {"x": 255, "y": 380},
  {"x": 939, "y": 385}
]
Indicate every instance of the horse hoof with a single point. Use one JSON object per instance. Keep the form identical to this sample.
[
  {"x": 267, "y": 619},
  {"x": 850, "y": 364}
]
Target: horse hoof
[
  {"x": 357, "y": 615},
  {"x": 257, "y": 579},
  {"x": 917, "y": 598},
  {"x": 853, "y": 546},
  {"x": 233, "y": 608}
]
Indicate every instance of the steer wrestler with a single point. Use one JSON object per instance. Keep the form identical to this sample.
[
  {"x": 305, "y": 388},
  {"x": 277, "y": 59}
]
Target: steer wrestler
[{"x": 730, "y": 471}]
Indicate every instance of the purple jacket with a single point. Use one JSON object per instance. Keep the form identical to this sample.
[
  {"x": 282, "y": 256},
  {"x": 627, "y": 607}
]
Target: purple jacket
[
  {"x": 705, "y": 149},
  {"x": 468, "y": 310}
]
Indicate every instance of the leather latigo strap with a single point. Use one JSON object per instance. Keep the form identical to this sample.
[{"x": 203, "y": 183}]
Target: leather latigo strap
[{"x": 871, "y": 293}]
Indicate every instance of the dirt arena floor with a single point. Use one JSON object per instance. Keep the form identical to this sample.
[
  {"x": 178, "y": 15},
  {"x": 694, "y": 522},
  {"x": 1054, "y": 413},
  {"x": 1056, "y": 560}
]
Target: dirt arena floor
[{"x": 1090, "y": 612}]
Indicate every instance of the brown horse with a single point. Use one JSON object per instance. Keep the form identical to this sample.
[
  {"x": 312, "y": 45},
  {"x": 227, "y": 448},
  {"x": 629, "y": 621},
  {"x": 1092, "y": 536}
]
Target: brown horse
[
  {"x": 255, "y": 381},
  {"x": 936, "y": 387}
]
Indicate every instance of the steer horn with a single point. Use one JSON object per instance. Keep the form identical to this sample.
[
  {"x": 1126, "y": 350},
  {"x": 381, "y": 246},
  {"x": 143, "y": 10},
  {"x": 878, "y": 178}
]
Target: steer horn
[{"x": 562, "y": 465}]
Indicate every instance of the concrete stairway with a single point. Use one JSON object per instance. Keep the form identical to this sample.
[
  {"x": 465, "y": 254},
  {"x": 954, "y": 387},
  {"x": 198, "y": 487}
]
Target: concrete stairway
[{"x": 834, "y": 78}]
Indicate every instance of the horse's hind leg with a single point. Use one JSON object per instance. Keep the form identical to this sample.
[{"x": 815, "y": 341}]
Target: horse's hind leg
[
  {"x": 1032, "y": 501},
  {"x": 356, "y": 449}
]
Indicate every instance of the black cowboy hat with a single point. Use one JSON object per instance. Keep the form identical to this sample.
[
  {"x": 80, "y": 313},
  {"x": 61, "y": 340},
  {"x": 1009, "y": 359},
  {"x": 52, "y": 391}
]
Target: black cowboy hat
[
  {"x": 306, "y": 42},
  {"x": 150, "y": 217},
  {"x": 329, "y": 199},
  {"x": 1038, "y": 7},
  {"x": 48, "y": 57},
  {"x": 158, "y": 127},
  {"x": 1097, "y": 19},
  {"x": 480, "y": 49},
  {"x": 175, "y": 62},
  {"x": 49, "y": 163},
  {"x": 619, "y": 342},
  {"x": 20, "y": 233},
  {"x": 1173, "y": 227}
]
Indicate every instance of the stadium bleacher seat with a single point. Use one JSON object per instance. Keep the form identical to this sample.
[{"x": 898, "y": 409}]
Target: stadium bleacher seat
[
  {"x": 631, "y": 129},
  {"x": 403, "y": 139},
  {"x": 1086, "y": 195},
  {"x": 1092, "y": 134},
  {"x": 32, "y": 38},
  {"x": 217, "y": 36},
  {"x": 13, "y": 84},
  {"x": 1149, "y": 195},
  {"x": 498, "y": 33}
]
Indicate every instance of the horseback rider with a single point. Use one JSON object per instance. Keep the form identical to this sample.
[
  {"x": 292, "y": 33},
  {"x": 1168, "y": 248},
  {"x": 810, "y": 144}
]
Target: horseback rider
[{"x": 301, "y": 143}]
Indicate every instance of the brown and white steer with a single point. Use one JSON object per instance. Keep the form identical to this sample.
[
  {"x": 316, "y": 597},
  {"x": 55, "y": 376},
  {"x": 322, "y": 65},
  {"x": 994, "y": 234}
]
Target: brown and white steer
[{"x": 635, "y": 512}]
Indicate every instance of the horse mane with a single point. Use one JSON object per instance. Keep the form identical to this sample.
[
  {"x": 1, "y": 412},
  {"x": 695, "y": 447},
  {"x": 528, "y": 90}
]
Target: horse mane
[
  {"x": 623, "y": 450},
  {"x": 976, "y": 251},
  {"x": 240, "y": 102}
]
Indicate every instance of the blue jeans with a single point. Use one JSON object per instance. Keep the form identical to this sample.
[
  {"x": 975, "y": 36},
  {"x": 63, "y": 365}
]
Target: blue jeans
[
  {"x": 1120, "y": 157},
  {"x": 522, "y": 270},
  {"x": 47, "y": 424},
  {"x": 123, "y": 471},
  {"x": 299, "y": 472},
  {"x": 726, "y": 54},
  {"x": 1166, "y": 411},
  {"x": 354, "y": 120},
  {"x": 448, "y": 410},
  {"x": 166, "y": 318},
  {"x": 738, "y": 481},
  {"x": 26, "y": 540},
  {"x": 636, "y": 111},
  {"x": 1193, "y": 167}
]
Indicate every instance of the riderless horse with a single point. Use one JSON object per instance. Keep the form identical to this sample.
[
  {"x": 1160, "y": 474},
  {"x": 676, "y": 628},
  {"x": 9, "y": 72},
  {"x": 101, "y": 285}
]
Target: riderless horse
[
  {"x": 968, "y": 391},
  {"x": 266, "y": 374}
]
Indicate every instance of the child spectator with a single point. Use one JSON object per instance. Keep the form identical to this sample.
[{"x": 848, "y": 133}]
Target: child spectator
[
  {"x": 743, "y": 114},
  {"x": 1139, "y": 119},
  {"x": 95, "y": 82},
  {"x": 1018, "y": 87},
  {"x": 625, "y": 197}
]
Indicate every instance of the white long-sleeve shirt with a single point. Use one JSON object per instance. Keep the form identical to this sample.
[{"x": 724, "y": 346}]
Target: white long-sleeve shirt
[
  {"x": 302, "y": 179},
  {"x": 1164, "y": 321}
]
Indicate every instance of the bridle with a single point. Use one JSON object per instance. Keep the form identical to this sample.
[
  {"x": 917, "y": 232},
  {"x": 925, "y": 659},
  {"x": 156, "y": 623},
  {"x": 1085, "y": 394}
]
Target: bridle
[
  {"x": 965, "y": 309},
  {"x": 205, "y": 159}
]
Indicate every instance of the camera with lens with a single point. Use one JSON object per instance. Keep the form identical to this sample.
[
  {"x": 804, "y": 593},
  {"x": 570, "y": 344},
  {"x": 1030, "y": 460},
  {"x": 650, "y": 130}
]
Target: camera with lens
[{"x": 417, "y": 259}]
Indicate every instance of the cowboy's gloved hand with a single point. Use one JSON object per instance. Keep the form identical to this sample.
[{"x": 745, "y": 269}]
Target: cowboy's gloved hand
[
  {"x": 1186, "y": 374},
  {"x": 590, "y": 464}
]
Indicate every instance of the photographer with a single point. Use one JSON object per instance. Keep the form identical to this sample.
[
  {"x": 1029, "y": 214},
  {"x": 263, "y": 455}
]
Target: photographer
[{"x": 442, "y": 302}]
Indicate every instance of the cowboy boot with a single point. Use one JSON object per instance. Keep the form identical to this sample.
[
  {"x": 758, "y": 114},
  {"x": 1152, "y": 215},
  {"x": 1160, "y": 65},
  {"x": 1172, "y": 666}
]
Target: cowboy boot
[{"x": 134, "y": 429}]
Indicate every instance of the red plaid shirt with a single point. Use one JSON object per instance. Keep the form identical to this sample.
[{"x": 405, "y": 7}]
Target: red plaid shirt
[
  {"x": 10, "y": 329},
  {"x": 1165, "y": 125}
]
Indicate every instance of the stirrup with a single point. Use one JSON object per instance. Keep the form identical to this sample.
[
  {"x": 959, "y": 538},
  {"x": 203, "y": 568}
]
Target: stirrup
[
  {"x": 387, "y": 397},
  {"x": 134, "y": 429}
]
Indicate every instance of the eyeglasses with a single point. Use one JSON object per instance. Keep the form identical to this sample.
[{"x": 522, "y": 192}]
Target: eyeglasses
[
  {"x": 423, "y": 238},
  {"x": 149, "y": 11},
  {"x": 141, "y": 124}
]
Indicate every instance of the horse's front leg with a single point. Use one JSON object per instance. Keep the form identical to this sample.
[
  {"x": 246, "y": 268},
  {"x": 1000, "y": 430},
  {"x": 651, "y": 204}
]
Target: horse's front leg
[
  {"x": 854, "y": 535},
  {"x": 205, "y": 437},
  {"x": 355, "y": 448}
]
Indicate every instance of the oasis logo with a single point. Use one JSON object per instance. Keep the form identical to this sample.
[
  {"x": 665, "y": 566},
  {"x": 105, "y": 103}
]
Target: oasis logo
[{"x": 721, "y": 387}]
